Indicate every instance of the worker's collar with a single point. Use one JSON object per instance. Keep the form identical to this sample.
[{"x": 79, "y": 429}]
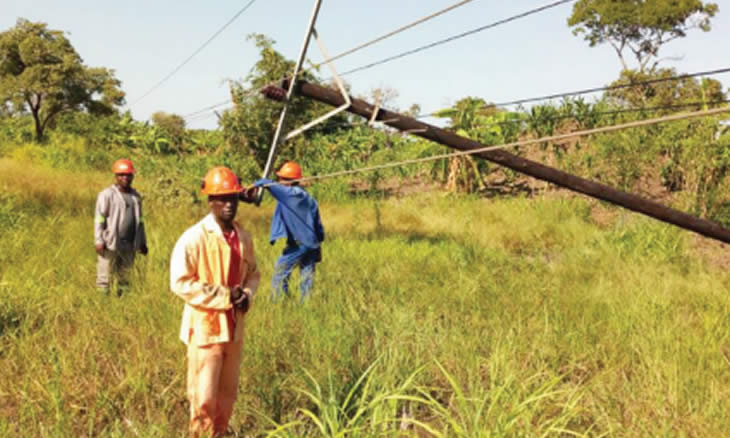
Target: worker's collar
[
  {"x": 210, "y": 225},
  {"x": 120, "y": 191}
]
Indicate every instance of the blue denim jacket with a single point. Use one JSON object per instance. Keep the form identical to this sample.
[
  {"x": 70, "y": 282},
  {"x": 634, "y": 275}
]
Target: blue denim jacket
[{"x": 296, "y": 217}]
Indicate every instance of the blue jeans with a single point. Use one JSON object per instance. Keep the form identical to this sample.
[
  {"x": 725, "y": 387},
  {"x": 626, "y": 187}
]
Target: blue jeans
[{"x": 293, "y": 256}]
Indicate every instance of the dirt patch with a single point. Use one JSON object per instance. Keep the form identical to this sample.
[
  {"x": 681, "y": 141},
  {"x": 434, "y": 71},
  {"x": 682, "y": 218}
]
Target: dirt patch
[
  {"x": 716, "y": 254},
  {"x": 604, "y": 216},
  {"x": 7, "y": 408},
  {"x": 650, "y": 186}
]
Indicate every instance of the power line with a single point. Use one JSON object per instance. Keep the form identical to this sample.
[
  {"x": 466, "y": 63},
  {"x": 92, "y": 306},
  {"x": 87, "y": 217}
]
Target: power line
[
  {"x": 489, "y": 26},
  {"x": 396, "y": 31},
  {"x": 597, "y": 89},
  {"x": 355, "y": 49},
  {"x": 208, "y": 108},
  {"x": 200, "y": 117},
  {"x": 615, "y": 87},
  {"x": 197, "y": 114},
  {"x": 458, "y": 36},
  {"x": 401, "y": 29},
  {"x": 213, "y": 107},
  {"x": 564, "y": 95},
  {"x": 176, "y": 69},
  {"x": 645, "y": 109},
  {"x": 614, "y": 112},
  {"x": 248, "y": 93}
]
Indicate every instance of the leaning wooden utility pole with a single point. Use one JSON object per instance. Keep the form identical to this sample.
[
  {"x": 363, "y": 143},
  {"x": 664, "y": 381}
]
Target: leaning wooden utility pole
[{"x": 519, "y": 164}]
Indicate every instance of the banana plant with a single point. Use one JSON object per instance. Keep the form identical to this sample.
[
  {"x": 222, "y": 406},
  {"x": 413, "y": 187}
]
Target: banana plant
[{"x": 475, "y": 119}]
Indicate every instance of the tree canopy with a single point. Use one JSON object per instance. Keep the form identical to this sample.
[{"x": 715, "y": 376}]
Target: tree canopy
[
  {"x": 639, "y": 26},
  {"x": 173, "y": 125},
  {"x": 252, "y": 121},
  {"x": 665, "y": 93},
  {"x": 41, "y": 72}
]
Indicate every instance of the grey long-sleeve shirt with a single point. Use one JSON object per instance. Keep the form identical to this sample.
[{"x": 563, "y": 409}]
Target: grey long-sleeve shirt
[{"x": 110, "y": 209}]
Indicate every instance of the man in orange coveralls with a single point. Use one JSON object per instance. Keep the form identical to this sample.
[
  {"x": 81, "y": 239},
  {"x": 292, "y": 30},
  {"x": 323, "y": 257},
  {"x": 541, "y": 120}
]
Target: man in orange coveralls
[{"x": 213, "y": 268}]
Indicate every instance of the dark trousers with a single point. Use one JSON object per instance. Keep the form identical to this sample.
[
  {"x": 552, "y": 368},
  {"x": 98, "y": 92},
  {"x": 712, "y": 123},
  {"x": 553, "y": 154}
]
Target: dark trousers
[
  {"x": 114, "y": 265},
  {"x": 293, "y": 256}
]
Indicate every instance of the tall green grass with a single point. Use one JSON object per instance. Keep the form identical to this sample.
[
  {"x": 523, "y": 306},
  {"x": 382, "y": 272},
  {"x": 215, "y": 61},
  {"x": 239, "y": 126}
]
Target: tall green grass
[{"x": 434, "y": 315}]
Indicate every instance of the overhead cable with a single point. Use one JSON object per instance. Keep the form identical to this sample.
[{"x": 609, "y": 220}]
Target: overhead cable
[
  {"x": 613, "y": 112},
  {"x": 458, "y": 36},
  {"x": 208, "y": 108},
  {"x": 356, "y": 48},
  {"x": 597, "y": 89},
  {"x": 199, "y": 49},
  {"x": 572, "y": 94},
  {"x": 396, "y": 31},
  {"x": 616, "y": 87}
]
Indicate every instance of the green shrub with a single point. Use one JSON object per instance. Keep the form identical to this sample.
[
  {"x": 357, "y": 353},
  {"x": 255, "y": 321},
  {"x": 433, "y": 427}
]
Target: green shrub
[
  {"x": 334, "y": 190},
  {"x": 722, "y": 214},
  {"x": 10, "y": 215},
  {"x": 28, "y": 153}
]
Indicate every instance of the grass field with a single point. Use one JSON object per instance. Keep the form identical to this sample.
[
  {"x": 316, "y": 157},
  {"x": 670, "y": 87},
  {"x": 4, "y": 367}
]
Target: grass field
[{"x": 433, "y": 315}]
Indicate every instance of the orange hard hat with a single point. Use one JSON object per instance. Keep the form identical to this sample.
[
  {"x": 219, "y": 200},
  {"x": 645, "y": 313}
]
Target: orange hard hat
[
  {"x": 221, "y": 181},
  {"x": 123, "y": 166},
  {"x": 290, "y": 170}
]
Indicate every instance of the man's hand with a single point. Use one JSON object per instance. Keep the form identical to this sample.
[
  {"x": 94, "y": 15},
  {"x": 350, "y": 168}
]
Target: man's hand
[
  {"x": 241, "y": 298},
  {"x": 99, "y": 248},
  {"x": 144, "y": 250},
  {"x": 275, "y": 93},
  {"x": 248, "y": 195}
]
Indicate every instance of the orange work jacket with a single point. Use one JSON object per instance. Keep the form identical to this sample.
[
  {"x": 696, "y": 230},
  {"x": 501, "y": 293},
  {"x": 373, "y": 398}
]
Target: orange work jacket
[{"x": 198, "y": 274}]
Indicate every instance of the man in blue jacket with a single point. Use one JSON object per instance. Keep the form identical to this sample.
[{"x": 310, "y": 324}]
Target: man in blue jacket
[{"x": 296, "y": 218}]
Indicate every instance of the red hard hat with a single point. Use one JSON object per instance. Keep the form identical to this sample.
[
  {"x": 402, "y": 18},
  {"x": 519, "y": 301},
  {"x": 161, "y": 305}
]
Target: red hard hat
[
  {"x": 290, "y": 170},
  {"x": 123, "y": 166},
  {"x": 221, "y": 181}
]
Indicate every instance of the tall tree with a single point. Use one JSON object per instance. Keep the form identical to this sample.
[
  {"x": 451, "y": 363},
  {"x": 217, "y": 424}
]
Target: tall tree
[
  {"x": 252, "y": 121},
  {"x": 173, "y": 125},
  {"x": 639, "y": 26},
  {"x": 41, "y": 72}
]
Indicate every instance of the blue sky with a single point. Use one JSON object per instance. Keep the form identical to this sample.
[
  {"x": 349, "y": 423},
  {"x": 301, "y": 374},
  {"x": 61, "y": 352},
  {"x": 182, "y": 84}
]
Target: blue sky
[{"x": 144, "y": 40}]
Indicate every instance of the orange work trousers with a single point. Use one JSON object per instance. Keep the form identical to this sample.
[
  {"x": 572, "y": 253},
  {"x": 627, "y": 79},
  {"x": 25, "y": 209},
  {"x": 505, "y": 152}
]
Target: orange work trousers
[{"x": 213, "y": 372}]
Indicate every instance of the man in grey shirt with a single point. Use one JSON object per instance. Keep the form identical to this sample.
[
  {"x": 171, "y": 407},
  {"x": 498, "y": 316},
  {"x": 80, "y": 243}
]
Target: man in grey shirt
[{"x": 118, "y": 228}]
